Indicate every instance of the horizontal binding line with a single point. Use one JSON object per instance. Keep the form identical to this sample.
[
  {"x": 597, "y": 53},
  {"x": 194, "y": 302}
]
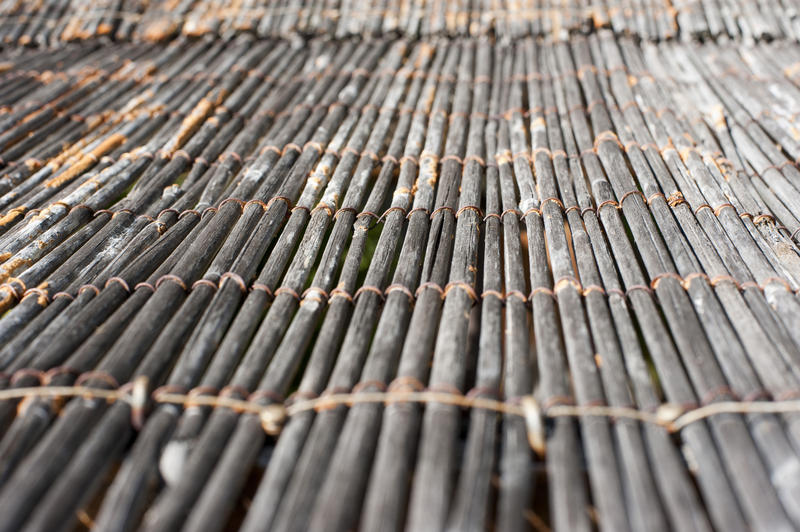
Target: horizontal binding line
[
  {"x": 670, "y": 416},
  {"x": 21, "y": 291}
]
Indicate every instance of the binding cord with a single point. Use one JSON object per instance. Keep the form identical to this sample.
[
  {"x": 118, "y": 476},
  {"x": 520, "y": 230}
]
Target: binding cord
[{"x": 670, "y": 416}]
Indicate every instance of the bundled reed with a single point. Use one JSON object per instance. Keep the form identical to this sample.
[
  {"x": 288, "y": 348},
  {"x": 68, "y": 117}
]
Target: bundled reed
[{"x": 545, "y": 275}]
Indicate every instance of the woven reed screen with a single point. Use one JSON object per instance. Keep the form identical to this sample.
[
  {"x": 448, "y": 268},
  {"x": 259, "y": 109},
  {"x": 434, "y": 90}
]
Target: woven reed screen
[
  {"x": 54, "y": 21},
  {"x": 385, "y": 265}
]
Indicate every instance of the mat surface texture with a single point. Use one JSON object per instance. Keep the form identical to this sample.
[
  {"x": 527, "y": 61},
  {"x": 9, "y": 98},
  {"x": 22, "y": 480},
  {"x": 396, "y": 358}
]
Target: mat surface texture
[{"x": 399, "y": 265}]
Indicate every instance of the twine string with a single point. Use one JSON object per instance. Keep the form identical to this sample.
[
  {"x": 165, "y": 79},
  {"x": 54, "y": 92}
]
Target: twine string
[{"x": 669, "y": 416}]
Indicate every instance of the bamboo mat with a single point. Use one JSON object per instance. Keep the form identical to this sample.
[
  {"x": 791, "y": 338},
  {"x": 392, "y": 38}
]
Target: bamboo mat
[
  {"x": 394, "y": 283},
  {"x": 48, "y": 22}
]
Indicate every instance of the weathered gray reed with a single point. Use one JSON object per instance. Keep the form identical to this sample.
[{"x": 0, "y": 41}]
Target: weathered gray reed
[
  {"x": 675, "y": 304},
  {"x": 137, "y": 166},
  {"x": 470, "y": 509},
  {"x": 166, "y": 219},
  {"x": 156, "y": 263},
  {"x": 121, "y": 360},
  {"x": 323, "y": 354},
  {"x": 658, "y": 204},
  {"x": 183, "y": 368},
  {"x": 263, "y": 346},
  {"x": 284, "y": 362},
  {"x": 621, "y": 353}
]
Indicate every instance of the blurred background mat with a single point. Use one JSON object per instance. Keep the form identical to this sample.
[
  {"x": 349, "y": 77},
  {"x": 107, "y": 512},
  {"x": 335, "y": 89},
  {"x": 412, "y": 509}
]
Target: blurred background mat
[{"x": 49, "y": 22}]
